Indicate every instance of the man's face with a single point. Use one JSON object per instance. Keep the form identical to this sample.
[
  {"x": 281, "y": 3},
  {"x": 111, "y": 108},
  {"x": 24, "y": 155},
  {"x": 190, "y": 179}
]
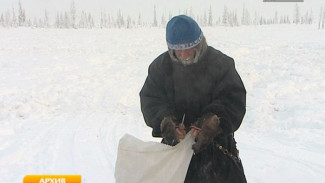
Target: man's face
[{"x": 185, "y": 55}]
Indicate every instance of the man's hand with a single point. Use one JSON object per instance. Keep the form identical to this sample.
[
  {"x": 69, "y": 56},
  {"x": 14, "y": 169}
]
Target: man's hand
[
  {"x": 181, "y": 131},
  {"x": 168, "y": 130},
  {"x": 210, "y": 128}
]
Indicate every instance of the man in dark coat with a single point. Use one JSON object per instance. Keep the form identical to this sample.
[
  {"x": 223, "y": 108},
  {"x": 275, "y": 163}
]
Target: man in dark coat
[{"x": 194, "y": 87}]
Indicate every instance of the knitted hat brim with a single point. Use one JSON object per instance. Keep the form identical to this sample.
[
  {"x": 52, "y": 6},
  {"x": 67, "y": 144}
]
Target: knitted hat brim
[{"x": 185, "y": 46}]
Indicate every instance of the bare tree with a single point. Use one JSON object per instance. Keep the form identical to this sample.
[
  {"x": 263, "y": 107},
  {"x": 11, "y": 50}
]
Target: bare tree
[
  {"x": 66, "y": 21},
  {"x": 210, "y": 17},
  {"x": 35, "y": 22},
  {"x": 83, "y": 20},
  {"x": 46, "y": 19},
  {"x": 57, "y": 20},
  {"x": 163, "y": 20},
  {"x": 323, "y": 19},
  {"x": 296, "y": 14},
  {"x": 120, "y": 20},
  {"x": 205, "y": 18},
  {"x": 245, "y": 19},
  {"x": 14, "y": 18},
  {"x": 225, "y": 16},
  {"x": 170, "y": 16},
  {"x": 7, "y": 19},
  {"x": 128, "y": 22},
  {"x": 73, "y": 14},
  {"x": 155, "y": 23},
  {"x": 311, "y": 17},
  {"x": 101, "y": 20},
  {"x": 275, "y": 20},
  {"x": 255, "y": 21},
  {"x": 320, "y": 18},
  {"x": 21, "y": 15},
  {"x": 191, "y": 13},
  {"x": 90, "y": 21},
  {"x": 321, "y": 22},
  {"x": 232, "y": 18},
  {"x": 2, "y": 20},
  {"x": 139, "y": 20}
]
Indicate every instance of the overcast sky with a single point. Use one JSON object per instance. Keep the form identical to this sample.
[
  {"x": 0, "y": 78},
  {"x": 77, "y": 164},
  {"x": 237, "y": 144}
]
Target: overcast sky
[{"x": 145, "y": 7}]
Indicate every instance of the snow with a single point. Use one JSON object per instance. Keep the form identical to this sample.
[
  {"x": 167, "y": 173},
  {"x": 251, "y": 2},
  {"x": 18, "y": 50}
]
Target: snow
[{"x": 68, "y": 96}]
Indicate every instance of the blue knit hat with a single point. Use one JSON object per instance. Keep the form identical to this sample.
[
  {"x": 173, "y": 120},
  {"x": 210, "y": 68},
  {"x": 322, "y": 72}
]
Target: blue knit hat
[{"x": 182, "y": 32}]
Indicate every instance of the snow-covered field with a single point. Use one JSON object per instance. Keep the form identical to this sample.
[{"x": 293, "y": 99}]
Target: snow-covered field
[{"x": 68, "y": 96}]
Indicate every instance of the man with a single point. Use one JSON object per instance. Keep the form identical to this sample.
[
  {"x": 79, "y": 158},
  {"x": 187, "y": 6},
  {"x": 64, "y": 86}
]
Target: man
[{"x": 194, "y": 87}]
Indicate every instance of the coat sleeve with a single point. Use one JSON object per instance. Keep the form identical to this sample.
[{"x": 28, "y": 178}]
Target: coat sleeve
[
  {"x": 153, "y": 99},
  {"x": 228, "y": 98}
]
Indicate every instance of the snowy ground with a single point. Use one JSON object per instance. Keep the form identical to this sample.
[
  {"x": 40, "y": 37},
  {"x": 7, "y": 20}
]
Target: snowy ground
[{"x": 68, "y": 96}]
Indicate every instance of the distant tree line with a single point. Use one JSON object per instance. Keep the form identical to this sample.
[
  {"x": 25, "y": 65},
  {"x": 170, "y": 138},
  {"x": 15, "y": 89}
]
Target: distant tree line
[{"x": 230, "y": 17}]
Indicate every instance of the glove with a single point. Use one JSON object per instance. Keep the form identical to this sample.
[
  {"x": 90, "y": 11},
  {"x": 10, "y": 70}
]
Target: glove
[
  {"x": 168, "y": 130},
  {"x": 210, "y": 128}
]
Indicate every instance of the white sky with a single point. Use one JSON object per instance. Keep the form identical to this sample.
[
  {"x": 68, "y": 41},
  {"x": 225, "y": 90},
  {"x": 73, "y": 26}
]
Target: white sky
[{"x": 145, "y": 7}]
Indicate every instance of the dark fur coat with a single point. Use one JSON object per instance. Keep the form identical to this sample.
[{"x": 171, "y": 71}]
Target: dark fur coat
[{"x": 212, "y": 84}]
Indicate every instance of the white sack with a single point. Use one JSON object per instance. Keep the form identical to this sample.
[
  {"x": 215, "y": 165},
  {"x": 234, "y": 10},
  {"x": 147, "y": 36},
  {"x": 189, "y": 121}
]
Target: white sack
[{"x": 152, "y": 162}]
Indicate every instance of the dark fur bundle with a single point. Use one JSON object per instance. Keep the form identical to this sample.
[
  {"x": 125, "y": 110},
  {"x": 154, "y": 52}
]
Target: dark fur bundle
[
  {"x": 213, "y": 166},
  {"x": 209, "y": 124}
]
